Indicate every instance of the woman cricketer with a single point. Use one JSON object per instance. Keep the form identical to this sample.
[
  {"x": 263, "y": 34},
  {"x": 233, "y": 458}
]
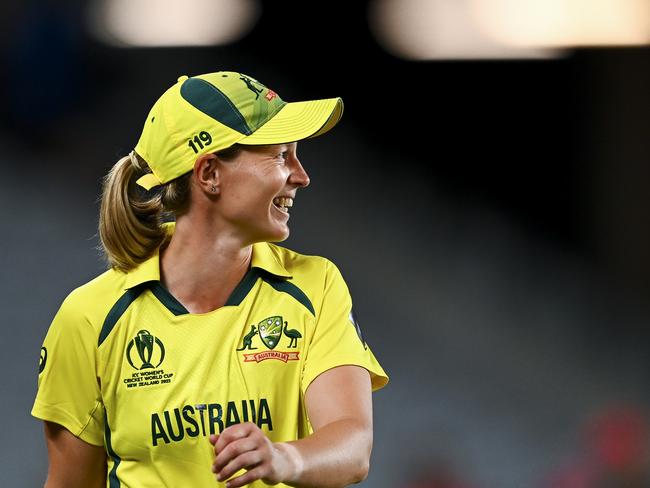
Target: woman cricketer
[{"x": 207, "y": 355}]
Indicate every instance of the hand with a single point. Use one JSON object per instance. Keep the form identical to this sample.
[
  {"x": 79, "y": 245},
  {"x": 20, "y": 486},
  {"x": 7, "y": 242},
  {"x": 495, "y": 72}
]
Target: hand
[{"x": 245, "y": 446}]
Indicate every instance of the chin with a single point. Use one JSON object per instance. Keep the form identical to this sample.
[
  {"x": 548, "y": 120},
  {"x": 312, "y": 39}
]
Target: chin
[
  {"x": 277, "y": 235},
  {"x": 280, "y": 237}
]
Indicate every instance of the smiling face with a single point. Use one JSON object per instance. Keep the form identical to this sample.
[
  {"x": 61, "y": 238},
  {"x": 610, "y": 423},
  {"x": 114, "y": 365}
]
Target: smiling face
[{"x": 257, "y": 189}]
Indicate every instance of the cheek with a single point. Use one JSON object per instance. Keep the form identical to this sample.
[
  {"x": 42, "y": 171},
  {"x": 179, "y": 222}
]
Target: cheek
[
  {"x": 253, "y": 191},
  {"x": 239, "y": 188},
  {"x": 242, "y": 202},
  {"x": 247, "y": 200}
]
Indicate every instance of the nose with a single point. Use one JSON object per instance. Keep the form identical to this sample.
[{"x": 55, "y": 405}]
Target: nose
[{"x": 298, "y": 176}]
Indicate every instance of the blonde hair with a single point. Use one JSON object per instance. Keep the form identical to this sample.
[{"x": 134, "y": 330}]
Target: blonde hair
[{"x": 131, "y": 218}]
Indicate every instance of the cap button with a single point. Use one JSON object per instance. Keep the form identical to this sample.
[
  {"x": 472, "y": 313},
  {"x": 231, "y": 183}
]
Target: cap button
[{"x": 182, "y": 78}]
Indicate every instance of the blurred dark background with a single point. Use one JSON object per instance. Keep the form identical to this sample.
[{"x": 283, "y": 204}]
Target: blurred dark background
[{"x": 490, "y": 217}]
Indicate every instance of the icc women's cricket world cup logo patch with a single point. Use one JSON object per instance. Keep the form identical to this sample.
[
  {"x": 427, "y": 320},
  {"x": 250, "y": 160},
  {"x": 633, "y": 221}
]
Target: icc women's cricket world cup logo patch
[
  {"x": 145, "y": 353},
  {"x": 271, "y": 331}
]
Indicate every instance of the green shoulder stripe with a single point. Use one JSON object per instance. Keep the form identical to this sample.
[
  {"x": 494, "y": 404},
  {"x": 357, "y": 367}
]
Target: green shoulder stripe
[
  {"x": 281, "y": 284},
  {"x": 118, "y": 310}
]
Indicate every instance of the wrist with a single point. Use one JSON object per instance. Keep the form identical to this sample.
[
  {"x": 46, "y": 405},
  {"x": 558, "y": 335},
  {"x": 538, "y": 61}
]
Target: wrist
[{"x": 294, "y": 463}]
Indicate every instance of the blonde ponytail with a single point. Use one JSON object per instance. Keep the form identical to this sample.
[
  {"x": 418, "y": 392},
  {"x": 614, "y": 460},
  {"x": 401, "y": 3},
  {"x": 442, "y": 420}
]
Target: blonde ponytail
[{"x": 130, "y": 218}]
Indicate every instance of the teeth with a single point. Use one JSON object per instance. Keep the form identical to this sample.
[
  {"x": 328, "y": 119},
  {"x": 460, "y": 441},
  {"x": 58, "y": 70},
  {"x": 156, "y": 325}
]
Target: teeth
[{"x": 286, "y": 202}]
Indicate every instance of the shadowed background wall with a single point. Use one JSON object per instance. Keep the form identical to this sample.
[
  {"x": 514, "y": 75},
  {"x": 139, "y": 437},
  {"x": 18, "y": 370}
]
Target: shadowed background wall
[{"x": 490, "y": 217}]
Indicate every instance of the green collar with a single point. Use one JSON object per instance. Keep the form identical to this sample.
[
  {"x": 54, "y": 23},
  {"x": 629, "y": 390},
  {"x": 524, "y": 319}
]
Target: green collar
[{"x": 264, "y": 257}]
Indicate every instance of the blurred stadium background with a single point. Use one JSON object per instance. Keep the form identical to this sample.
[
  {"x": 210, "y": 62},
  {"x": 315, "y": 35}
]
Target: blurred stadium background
[{"x": 486, "y": 196}]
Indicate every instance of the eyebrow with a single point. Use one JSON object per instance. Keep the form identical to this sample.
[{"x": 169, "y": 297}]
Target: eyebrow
[
  {"x": 282, "y": 147},
  {"x": 273, "y": 149}
]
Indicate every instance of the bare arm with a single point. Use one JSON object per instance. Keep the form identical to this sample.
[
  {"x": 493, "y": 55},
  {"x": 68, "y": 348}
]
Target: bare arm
[
  {"x": 339, "y": 405},
  {"x": 73, "y": 463},
  {"x": 337, "y": 454}
]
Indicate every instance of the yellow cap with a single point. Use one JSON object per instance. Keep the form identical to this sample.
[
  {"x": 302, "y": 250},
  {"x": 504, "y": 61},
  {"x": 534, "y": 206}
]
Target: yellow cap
[{"x": 210, "y": 112}]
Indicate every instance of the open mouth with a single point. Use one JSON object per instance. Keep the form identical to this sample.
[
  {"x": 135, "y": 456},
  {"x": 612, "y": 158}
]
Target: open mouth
[{"x": 283, "y": 203}]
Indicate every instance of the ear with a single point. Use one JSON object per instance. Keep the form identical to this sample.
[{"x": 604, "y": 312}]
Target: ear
[{"x": 206, "y": 173}]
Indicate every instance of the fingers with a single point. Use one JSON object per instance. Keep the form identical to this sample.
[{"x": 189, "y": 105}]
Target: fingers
[
  {"x": 247, "y": 460},
  {"x": 242, "y": 446},
  {"x": 248, "y": 477},
  {"x": 232, "y": 434},
  {"x": 232, "y": 451}
]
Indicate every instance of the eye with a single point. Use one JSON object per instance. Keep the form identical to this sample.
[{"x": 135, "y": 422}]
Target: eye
[{"x": 283, "y": 154}]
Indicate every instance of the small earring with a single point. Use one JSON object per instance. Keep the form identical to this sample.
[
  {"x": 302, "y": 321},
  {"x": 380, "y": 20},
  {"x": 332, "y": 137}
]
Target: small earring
[{"x": 213, "y": 189}]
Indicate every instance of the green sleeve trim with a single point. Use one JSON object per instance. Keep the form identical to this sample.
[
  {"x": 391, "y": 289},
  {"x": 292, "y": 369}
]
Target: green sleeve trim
[{"x": 113, "y": 480}]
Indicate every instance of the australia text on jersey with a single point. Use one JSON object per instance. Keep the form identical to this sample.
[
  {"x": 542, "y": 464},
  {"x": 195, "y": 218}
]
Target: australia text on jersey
[{"x": 207, "y": 419}]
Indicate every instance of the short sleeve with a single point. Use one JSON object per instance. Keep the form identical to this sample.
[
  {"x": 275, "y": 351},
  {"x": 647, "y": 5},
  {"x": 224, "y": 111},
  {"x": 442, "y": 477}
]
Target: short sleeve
[
  {"x": 337, "y": 338},
  {"x": 68, "y": 389}
]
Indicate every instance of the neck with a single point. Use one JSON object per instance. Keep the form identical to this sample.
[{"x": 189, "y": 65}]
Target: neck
[{"x": 202, "y": 264}]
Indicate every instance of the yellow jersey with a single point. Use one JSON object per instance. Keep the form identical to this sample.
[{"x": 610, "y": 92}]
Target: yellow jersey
[{"x": 124, "y": 365}]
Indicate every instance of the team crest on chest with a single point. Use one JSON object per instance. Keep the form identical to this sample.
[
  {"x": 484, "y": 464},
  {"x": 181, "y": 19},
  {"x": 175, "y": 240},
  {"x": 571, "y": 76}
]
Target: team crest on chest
[
  {"x": 145, "y": 353},
  {"x": 271, "y": 332}
]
